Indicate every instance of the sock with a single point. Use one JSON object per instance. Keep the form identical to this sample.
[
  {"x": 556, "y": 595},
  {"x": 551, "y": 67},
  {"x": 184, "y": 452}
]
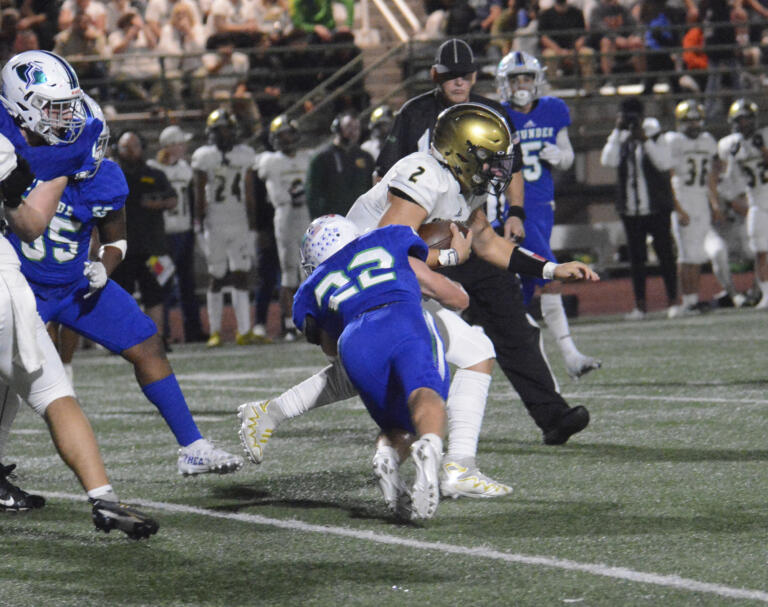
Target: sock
[
  {"x": 242, "y": 305},
  {"x": 105, "y": 492},
  {"x": 763, "y": 289},
  {"x": 215, "y": 303},
  {"x": 289, "y": 326},
  {"x": 435, "y": 440},
  {"x": 9, "y": 406},
  {"x": 690, "y": 299},
  {"x": 166, "y": 395},
  {"x": 717, "y": 252},
  {"x": 554, "y": 315},
  {"x": 465, "y": 408}
]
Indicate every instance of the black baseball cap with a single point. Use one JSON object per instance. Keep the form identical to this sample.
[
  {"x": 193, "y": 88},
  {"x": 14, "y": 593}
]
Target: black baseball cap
[{"x": 454, "y": 57}]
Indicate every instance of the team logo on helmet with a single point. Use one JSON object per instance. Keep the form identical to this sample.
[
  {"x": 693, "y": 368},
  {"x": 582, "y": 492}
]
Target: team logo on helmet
[{"x": 32, "y": 73}]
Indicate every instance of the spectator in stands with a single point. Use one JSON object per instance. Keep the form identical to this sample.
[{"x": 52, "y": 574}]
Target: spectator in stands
[
  {"x": 518, "y": 24},
  {"x": 8, "y": 27},
  {"x": 235, "y": 23},
  {"x": 486, "y": 14},
  {"x": 660, "y": 38},
  {"x": 315, "y": 18},
  {"x": 160, "y": 12},
  {"x": 79, "y": 40},
  {"x": 131, "y": 64},
  {"x": 42, "y": 17},
  {"x": 26, "y": 40},
  {"x": 719, "y": 44},
  {"x": 644, "y": 199},
  {"x": 613, "y": 29},
  {"x": 171, "y": 160},
  {"x": 95, "y": 9},
  {"x": 225, "y": 70},
  {"x": 563, "y": 51},
  {"x": 340, "y": 171},
  {"x": 118, "y": 8},
  {"x": 183, "y": 37}
]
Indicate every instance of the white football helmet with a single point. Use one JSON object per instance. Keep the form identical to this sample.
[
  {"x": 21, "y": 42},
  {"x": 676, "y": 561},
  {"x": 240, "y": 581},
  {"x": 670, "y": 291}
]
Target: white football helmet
[
  {"x": 513, "y": 65},
  {"x": 93, "y": 110},
  {"x": 325, "y": 236},
  {"x": 41, "y": 91}
]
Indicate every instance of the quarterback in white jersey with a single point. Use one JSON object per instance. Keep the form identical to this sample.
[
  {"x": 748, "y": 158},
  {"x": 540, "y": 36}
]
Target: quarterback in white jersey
[
  {"x": 224, "y": 203},
  {"x": 284, "y": 172},
  {"x": 746, "y": 156}
]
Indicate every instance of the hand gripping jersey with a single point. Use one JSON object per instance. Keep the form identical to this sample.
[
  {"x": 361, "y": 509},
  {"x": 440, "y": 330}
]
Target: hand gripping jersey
[
  {"x": 225, "y": 188},
  {"x": 540, "y": 125},
  {"x": 284, "y": 177},
  {"x": 179, "y": 218},
  {"x": 58, "y": 256},
  {"x": 692, "y": 165},
  {"x": 423, "y": 179},
  {"x": 746, "y": 165}
]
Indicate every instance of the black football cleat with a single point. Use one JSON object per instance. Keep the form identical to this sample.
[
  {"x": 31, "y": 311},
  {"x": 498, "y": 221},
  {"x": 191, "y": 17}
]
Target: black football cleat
[
  {"x": 116, "y": 515},
  {"x": 14, "y": 499},
  {"x": 573, "y": 421}
]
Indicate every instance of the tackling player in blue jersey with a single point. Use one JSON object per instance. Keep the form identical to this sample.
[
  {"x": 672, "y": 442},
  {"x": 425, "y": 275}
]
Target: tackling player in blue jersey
[
  {"x": 363, "y": 297},
  {"x": 78, "y": 294},
  {"x": 542, "y": 125}
]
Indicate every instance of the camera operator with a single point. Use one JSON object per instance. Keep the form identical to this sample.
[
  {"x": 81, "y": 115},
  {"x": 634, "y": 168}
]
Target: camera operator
[{"x": 644, "y": 198}]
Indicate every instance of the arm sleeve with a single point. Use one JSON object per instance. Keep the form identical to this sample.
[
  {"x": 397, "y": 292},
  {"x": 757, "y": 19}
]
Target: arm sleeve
[
  {"x": 564, "y": 143},
  {"x": 658, "y": 151},
  {"x": 610, "y": 155}
]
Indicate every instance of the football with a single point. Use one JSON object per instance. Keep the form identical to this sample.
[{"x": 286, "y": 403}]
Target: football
[{"x": 437, "y": 234}]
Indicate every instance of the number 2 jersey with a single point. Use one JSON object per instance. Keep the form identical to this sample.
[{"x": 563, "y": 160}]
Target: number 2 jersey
[
  {"x": 225, "y": 187},
  {"x": 58, "y": 256},
  {"x": 373, "y": 270}
]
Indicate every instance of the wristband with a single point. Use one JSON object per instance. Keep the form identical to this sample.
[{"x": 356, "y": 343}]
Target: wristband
[
  {"x": 523, "y": 261},
  {"x": 121, "y": 244},
  {"x": 517, "y": 211},
  {"x": 448, "y": 257},
  {"x": 548, "y": 271}
]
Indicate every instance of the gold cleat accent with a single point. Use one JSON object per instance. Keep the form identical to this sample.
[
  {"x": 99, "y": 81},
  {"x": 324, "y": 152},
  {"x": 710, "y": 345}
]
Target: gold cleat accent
[
  {"x": 214, "y": 341},
  {"x": 256, "y": 428}
]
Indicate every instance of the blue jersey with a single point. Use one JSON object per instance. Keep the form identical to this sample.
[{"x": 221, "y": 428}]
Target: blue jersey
[
  {"x": 372, "y": 270},
  {"x": 540, "y": 125},
  {"x": 58, "y": 256}
]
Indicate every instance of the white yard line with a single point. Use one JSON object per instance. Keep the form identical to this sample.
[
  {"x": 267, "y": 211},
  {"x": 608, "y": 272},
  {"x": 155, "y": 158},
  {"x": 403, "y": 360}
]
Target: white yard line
[{"x": 620, "y": 573}]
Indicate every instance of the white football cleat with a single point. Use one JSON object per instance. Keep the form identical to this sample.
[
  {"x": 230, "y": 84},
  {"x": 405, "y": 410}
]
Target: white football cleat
[
  {"x": 460, "y": 477},
  {"x": 256, "y": 428},
  {"x": 580, "y": 364},
  {"x": 425, "y": 493},
  {"x": 636, "y": 314},
  {"x": 763, "y": 303},
  {"x": 386, "y": 469},
  {"x": 201, "y": 457},
  {"x": 739, "y": 300}
]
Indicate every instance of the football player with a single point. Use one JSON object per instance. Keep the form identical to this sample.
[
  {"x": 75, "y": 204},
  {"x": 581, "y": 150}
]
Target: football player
[
  {"x": 368, "y": 289},
  {"x": 695, "y": 167},
  {"x": 379, "y": 124},
  {"x": 470, "y": 156},
  {"x": 29, "y": 365},
  {"x": 283, "y": 172},
  {"x": 542, "y": 125},
  {"x": 224, "y": 209},
  {"x": 80, "y": 295},
  {"x": 744, "y": 154}
]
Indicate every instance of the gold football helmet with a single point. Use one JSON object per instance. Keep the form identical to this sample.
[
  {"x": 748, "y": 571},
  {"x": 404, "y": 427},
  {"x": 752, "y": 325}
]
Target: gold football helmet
[
  {"x": 284, "y": 134},
  {"x": 221, "y": 129},
  {"x": 742, "y": 116},
  {"x": 689, "y": 116},
  {"x": 476, "y": 145}
]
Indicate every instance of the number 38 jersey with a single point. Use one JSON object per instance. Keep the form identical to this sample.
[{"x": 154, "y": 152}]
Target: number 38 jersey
[
  {"x": 692, "y": 163},
  {"x": 58, "y": 256},
  {"x": 225, "y": 186},
  {"x": 746, "y": 165},
  {"x": 372, "y": 270},
  {"x": 420, "y": 177}
]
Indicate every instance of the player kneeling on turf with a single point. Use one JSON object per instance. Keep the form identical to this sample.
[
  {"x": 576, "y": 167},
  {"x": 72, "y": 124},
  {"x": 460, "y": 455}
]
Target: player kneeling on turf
[{"x": 362, "y": 297}]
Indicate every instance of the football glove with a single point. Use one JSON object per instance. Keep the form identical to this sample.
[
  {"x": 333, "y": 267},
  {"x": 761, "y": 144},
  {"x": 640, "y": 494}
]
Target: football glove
[
  {"x": 97, "y": 276},
  {"x": 551, "y": 154}
]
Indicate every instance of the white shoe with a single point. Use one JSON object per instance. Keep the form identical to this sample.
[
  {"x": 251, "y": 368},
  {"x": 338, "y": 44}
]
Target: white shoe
[
  {"x": 460, "y": 477},
  {"x": 425, "y": 493},
  {"x": 739, "y": 300},
  {"x": 256, "y": 427},
  {"x": 201, "y": 457},
  {"x": 579, "y": 364},
  {"x": 763, "y": 303},
  {"x": 386, "y": 469},
  {"x": 675, "y": 311},
  {"x": 636, "y": 314}
]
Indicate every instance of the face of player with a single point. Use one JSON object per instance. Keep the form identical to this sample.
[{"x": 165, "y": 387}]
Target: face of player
[
  {"x": 224, "y": 138},
  {"x": 746, "y": 125},
  {"x": 523, "y": 87},
  {"x": 692, "y": 129},
  {"x": 457, "y": 89}
]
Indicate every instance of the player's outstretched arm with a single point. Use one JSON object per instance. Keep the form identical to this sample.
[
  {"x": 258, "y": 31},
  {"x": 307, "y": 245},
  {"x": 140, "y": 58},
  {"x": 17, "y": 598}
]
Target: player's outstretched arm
[
  {"x": 31, "y": 217},
  {"x": 449, "y": 293},
  {"x": 574, "y": 271}
]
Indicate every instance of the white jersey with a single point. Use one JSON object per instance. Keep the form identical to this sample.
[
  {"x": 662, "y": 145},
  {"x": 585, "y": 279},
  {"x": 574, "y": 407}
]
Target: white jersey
[
  {"x": 372, "y": 146},
  {"x": 179, "y": 218},
  {"x": 425, "y": 181},
  {"x": 746, "y": 166},
  {"x": 692, "y": 162},
  {"x": 284, "y": 176},
  {"x": 225, "y": 186}
]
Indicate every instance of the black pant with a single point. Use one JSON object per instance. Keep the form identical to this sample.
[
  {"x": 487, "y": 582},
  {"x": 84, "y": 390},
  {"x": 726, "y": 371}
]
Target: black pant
[
  {"x": 637, "y": 228},
  {"x": 496, "y": 304}
]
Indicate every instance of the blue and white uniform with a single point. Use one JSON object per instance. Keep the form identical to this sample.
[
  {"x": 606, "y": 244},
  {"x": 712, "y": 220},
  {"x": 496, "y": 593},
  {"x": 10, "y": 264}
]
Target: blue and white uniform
[{"x": 367, "y": 296}]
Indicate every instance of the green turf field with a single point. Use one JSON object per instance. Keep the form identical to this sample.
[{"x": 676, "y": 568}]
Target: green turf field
[{"x": 663, "y": 500}]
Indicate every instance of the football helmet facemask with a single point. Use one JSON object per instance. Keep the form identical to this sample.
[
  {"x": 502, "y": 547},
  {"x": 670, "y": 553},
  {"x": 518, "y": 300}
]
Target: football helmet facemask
[
  {"x": 93, "y": 110},
  {"x": 380, "y": 120},
  {"x": 221, "y": 128},
  {"x": 742, "y": 117},
  {"x": 41, "y": 92},
  {"x": 284, "y": 134},
  {"x": 475, "y": 143},
  {"x": 325, "y": 236},
  {"x": 513, "y": 89},
  {"x": 689, "y": 116}
]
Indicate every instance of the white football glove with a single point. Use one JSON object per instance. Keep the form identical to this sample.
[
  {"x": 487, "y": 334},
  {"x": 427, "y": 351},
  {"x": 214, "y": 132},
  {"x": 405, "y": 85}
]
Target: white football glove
[
  {"x": 551, "y": 153},
  {"x": 97, "y": 276}
]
